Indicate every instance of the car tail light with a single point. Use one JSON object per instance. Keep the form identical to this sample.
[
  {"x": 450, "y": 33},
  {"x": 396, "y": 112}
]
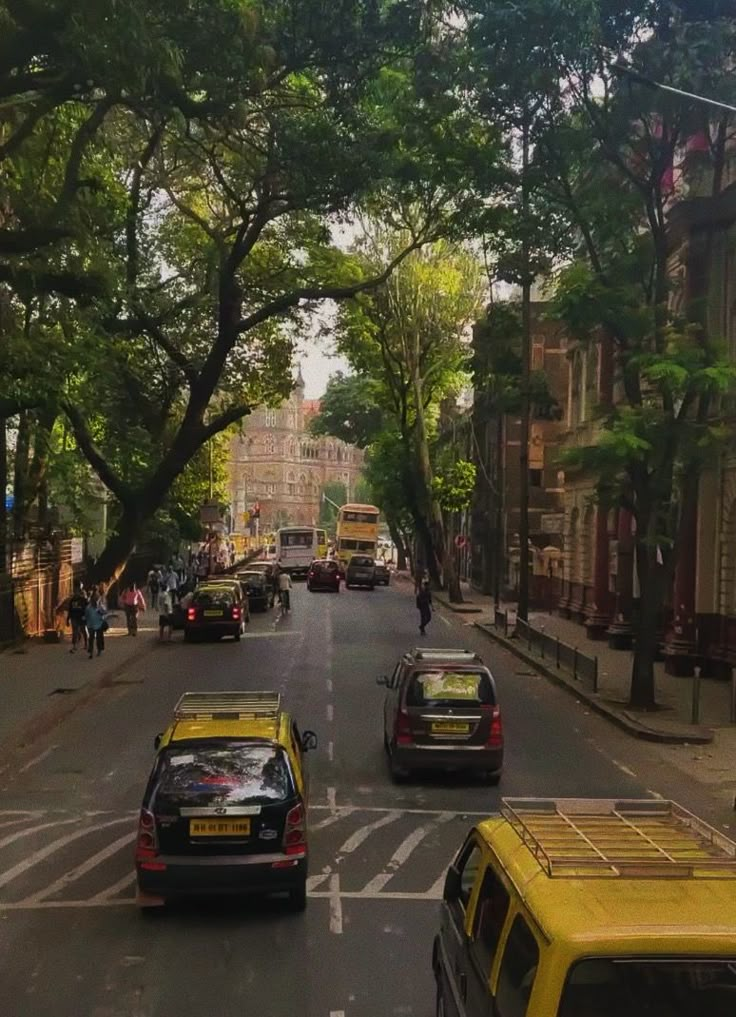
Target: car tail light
[
  {"x": 236, "y": 613},
  {"x": 495, "y": 736},
  {"x": 295, "y": 832},
  {"x": 403, "y": 728},
  {"x": 146, "y": 847},
  {"x": 191, "y": 613}
]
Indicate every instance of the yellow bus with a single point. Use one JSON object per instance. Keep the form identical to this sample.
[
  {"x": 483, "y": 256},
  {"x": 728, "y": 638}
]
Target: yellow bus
[
  {"x": 357, "y": 531},
  {"x": 321, "y": 543}
]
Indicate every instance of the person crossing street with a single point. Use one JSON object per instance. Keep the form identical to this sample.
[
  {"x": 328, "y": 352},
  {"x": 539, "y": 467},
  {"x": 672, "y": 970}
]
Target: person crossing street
[{"x": 133, "y": 603}]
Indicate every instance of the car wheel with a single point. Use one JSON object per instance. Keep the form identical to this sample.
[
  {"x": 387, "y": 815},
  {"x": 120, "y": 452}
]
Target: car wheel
[
  {"x": 298, "y": 897},
  {"x": 237, "y": 634},
  {"x": 493, "y": 778},
  {"x": 187, "y": 636},
  {"x": 398, "y": 773},
  {"x": 372, "y": 586}
]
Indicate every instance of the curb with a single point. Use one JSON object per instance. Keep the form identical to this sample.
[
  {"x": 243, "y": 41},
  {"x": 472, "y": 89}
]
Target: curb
[
  {"x": 47, "y": 719},
  {"x": 467, "y": 607},
  {"x": 701, "y": 736}
]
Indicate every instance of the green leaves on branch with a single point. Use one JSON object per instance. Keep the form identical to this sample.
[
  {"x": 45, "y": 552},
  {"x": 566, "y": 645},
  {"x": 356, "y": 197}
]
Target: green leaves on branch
[{"x": 454, "y": 487}]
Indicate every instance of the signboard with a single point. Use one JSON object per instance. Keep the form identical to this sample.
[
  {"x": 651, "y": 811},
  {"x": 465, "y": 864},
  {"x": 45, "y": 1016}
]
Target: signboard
[
  {"x": 553, "y": 523},
  {"x": 210, "y": 513},
  {"x": 9, "y": 502},
  {"x": 77, "y": 550}
]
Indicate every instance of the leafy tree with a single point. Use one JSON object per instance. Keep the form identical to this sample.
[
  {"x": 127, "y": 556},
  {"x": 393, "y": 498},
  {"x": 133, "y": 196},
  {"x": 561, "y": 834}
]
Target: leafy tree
[
  {"x": 350, "y": 409},
  {"x": 337, "y": 495}
]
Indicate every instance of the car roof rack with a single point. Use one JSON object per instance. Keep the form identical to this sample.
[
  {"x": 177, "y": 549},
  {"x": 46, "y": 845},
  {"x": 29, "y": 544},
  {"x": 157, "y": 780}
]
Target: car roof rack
[
  {"x": 228, "y": 706},
  {"x": 439, "y": 653},
  {"x": 607, "y": 837}
]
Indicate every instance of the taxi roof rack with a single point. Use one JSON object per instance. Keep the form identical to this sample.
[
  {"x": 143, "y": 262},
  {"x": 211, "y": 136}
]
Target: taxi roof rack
[
  {"x": 599, "y": 837},
  {"x": 445, "y": 653},
  {"x": 228, "y": 706}
]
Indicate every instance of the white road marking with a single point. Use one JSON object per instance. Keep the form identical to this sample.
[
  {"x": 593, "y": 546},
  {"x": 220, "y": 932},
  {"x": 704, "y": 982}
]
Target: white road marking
[
  {"x": 356, "y": 839},
  {"x": 337, "y": 1013},
  {"x": 331, "y": 799},
  {"x": 329, "y": 820},
  {"x": 329, "y": 684},
  {"x": 655, "y": 794},
  {"x": 55, "y": 845},
  {"x": 445, "y": 620},
  {"x": 39, "y": 758},
  {"x": 29, "y": 830},
  {"x": 81, "y": 870},
  {"x": 268, "y": 635},
  {"x": 437, "y": 889},
  {"x": 14, "y": 822},
  {"x": 624, "y": 769},
  {"x": 105, "y": 895},
  {"x": 330, "y": 713},
  {"x": 314, "y": 881},
  {"x": 465, "y": 814},
  {"x": 335, "y": 905},
  {"x": 331, "y": 751},
  {"x": 403, "y": 852}
]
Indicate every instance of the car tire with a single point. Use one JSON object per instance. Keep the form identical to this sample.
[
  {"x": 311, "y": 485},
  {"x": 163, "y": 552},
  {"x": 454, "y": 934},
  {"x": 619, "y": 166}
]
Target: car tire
[
  {"x": 237, "y": 635},
  {"x": 398, "y": 773},
  {"x": 372, "y": 586},
  {"x": 187, "y": 636},
  {"x": 493, "y": 778},
  {"x": 298, "y": 897}
]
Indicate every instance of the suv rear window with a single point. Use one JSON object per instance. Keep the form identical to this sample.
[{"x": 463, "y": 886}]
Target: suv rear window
[
  {"x": 450, "y": 688},
  {"x": 229, "y": 774},
  {"x": 213, "y": 598},
  {"x": 361, "y": 560},
  {"x": 633, "y": 987}
]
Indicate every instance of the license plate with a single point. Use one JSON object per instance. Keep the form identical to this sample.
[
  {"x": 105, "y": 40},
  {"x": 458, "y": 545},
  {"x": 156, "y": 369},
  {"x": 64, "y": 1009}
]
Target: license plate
[
  {"x": 219, "y": 827},
  {"x": 213, "y": 614},
  {"x": 447, "y": 727}
]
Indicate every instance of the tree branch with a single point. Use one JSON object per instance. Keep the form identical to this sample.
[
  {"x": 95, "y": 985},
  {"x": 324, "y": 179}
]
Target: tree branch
[
  {"x": 68, "y": 284},
  {"x": 223, "y": 420},
  {"x": 93, "y": 456}
]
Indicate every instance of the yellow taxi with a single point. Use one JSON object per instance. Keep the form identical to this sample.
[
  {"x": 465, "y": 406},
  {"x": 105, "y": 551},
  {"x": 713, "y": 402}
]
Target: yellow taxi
[
  {"x": 589, "y": 908},
  {"x": 225, "y": 808}
]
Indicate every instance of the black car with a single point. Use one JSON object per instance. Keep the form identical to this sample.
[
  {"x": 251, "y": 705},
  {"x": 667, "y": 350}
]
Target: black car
[
  {"x": 361, "y": 571},
  {"x": 258, "y": 588},
  {"x": 215, "y": 611},
  {"x": 269, "y": 570},
  {"x": 383, "y": 576}
]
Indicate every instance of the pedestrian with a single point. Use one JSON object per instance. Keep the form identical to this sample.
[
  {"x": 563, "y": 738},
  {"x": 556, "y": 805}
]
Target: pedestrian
[
  {"x": 75, "y": 615},
  {"x": 285, "y": 590},
  {"x": 171, "y": 583},
  {"x": 165, "y": 615},
  {"x": 154, "y": 580},
  {"x": 424, "y": 603},
  {"x": 134, "y": 604},
  {"x": 96, "y": 623}
]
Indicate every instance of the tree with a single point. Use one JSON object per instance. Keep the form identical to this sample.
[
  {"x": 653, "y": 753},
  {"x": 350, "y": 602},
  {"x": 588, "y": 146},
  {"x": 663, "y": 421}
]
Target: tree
[
  {"x": 204, "y": 174},
  {"x": 333, "y": 493},
  {"x": 410, "y": 334},
  {"x": 350, "y": 410}
]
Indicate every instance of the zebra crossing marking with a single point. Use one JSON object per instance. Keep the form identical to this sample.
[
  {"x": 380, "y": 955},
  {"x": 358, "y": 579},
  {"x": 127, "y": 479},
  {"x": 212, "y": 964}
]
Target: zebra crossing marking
[{"x": 81, "y": 870}]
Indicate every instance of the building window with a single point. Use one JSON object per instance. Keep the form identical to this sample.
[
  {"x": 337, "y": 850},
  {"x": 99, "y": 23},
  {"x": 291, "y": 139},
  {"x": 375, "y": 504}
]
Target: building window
[
  {"x": 535, "y": 478},
  {"x": 538, "y": 357},
  {"x": 270, "y": 488},
  {"x": 269, "y": 446},
  {"x": 270, "y": 418}
]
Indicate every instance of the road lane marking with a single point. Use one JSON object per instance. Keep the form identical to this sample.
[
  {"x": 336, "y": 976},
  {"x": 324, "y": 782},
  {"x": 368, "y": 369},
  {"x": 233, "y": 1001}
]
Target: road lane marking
[
  {"x": 445, "y": 620},
  {"x": 38, "y": 856},
  {"x": 314, "y": 881},
  {"x": 331, "y": 799},
  {"x": 335, "y": 905},
  {"x": 14, "y": 822},
  {"x": 331, "y": 751},
  {"x": 655, "y": 794},
  {"x": 29, "y": 830},
  {"x": 38, "y": 759},
  {"x": 356, "y": 839},
  {"x": 81, "y": 870},
  {"x": 329, "y": 685},
  {"x": 330, "y": 713},
  {"x": 105, "y": 895},
  {"x": 624, "y": 769},
  {"x": 403, "y": 852},
  {"x": 337, "y": 1013},
  {"x": 342, "y": 813}
]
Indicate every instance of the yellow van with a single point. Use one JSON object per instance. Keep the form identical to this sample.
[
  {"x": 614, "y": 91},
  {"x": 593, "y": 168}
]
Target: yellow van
[{"x": 589, "y": 908}]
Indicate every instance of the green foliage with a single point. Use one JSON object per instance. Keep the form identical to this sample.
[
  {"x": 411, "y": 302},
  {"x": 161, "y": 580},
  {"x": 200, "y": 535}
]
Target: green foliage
[
  {"x": 338, "y": 495},
  {"x": 454, "y": 487},
  {"x": 350, "y": 409}
]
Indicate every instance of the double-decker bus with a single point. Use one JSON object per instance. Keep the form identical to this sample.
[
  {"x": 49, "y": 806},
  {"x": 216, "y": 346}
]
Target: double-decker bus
[
  {"x": 357, "y": 531},
  {"x": 296, "y": 549}
]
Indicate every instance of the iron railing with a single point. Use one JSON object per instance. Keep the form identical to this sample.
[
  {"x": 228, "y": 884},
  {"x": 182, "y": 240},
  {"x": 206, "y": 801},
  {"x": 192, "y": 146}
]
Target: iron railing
[{"x": 565, "y": 657}]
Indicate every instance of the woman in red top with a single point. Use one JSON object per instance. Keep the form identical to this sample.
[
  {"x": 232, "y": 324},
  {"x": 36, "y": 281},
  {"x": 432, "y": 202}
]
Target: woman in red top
[{"x": 133, "y": 602}]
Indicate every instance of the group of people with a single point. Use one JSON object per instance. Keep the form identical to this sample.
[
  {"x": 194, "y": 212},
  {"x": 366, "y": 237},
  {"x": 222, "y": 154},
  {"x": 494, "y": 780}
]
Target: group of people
[{"x": 87, "y": 618}]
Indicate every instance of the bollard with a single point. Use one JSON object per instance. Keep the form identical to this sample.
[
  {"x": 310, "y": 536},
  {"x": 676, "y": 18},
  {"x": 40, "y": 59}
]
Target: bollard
[{"x": 695, "y": 712}]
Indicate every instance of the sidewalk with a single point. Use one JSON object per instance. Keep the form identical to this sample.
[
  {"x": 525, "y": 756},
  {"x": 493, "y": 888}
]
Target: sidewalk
[
  {"x": 42, "y": 683},
  {"x": 669, "y": 723}
]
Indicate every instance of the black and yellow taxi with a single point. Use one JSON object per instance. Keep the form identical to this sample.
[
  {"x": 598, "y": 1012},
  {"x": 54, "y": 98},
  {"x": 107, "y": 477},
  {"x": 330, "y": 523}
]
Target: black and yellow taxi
[{"x": 225, "y": 808}]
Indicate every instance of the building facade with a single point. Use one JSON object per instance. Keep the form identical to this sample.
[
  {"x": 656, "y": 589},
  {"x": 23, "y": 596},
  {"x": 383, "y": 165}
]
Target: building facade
[{"x": 278, "y": 464}]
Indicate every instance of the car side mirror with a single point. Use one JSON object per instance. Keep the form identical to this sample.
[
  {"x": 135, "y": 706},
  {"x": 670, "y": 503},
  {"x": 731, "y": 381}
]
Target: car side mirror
[
  {"x": 452, "y": 884},
  {"x": 309, "y": 741},
  {"x": 382, "y": 680},
  {"x": 157, "y": 742}
]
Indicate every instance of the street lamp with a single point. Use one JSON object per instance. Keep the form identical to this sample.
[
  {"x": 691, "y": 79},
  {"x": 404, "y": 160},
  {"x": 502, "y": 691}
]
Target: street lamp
[{"x": 642, "y": 79}]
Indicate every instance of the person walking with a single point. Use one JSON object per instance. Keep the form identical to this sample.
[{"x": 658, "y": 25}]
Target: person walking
[
  {"x": 165, "y": 615},
  {"x": 75, "y": 615},
  {"x": 424, "y": 603},
  {"x": 96, "y": 623},
  {"x": 154, "y": 582},
  {"x": 133, "y": 602},
  {"x": 285, "y": 591}
]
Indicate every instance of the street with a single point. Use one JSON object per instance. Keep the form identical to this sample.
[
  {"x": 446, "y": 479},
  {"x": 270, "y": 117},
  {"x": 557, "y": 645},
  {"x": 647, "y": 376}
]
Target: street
[{"x": 74, "y": 945}]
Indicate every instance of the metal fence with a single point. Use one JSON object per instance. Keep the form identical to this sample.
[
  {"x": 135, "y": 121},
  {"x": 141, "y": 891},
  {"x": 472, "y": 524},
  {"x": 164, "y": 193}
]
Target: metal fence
[
  {"x": 501, "y": 621},
  {"x": 564, "y": 657},
  {"x": 38, "y": 581}
]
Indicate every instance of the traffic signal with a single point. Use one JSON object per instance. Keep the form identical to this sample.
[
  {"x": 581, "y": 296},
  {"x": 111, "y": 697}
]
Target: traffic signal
[{"x": 256, "y": 513}]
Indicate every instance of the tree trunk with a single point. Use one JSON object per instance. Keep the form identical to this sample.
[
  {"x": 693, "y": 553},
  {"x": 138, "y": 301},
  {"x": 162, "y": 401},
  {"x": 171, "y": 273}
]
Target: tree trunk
[
  {"x": 642, "y": 695},
  {"x": 121, "y": 544},
  {"x": 399, "y": 544},
  {"x": 526, "y": 352}
]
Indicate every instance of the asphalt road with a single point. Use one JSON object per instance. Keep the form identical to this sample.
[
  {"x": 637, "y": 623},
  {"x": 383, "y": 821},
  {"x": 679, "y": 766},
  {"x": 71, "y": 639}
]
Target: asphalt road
[{"x": 72, "y": 944}]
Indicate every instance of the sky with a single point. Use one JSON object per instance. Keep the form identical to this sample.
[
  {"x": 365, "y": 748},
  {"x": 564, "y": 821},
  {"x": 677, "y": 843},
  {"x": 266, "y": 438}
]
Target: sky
[{"x": 318, "y": 364}]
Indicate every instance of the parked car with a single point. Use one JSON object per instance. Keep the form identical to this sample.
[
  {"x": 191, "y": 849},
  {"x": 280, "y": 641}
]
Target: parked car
[
  {"x": 258, "y": 589},
  {"x": 270, "y": 570},
  {"x": 214, "y": 611},
  {"x": 383, "y": 574},
  {"x": 232, "y": 583},
  {"x": 441, "y": 712},
  {"x": 324, "y": 574},
  {"x": 575, "y": 908},
  {"x": 225, "y": 808},
  {"x": 361, "y": 571}
]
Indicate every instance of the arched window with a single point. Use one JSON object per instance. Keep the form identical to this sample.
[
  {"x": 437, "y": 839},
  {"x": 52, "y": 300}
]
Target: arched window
[{"x": 269, "y": 445}]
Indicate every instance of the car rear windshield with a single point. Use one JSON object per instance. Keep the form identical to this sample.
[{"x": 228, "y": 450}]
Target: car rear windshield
[
  {"x": 213, "y": 598},
  {"x": 232, "y": 774},
  {"x": 450, "y": 688},
  {"x": 254, "y": 578},
  {"x": 361, "y": 561},
  {"x": 660, "y": 988},
  {"x": 324, "y": 566}
]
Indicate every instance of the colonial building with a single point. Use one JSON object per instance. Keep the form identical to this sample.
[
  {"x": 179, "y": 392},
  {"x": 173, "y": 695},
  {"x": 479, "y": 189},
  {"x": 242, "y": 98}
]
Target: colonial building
[{"x": 278, "y": 464}]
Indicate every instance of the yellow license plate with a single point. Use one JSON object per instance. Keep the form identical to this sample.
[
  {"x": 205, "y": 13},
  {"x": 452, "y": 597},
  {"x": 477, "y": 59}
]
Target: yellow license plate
[
  {"x": 219, "y": 827},
  {"x": 446, "y": 727},
  {"x": 213, "y": 614}
]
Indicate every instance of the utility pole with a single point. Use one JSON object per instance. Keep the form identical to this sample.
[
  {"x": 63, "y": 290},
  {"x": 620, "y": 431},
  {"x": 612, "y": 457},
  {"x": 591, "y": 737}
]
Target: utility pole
[{"x": 526, "y": 357}]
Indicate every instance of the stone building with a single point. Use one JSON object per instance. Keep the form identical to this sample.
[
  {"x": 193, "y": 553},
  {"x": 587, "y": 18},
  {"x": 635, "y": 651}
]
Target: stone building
[{"x": 277, "y": 463}]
